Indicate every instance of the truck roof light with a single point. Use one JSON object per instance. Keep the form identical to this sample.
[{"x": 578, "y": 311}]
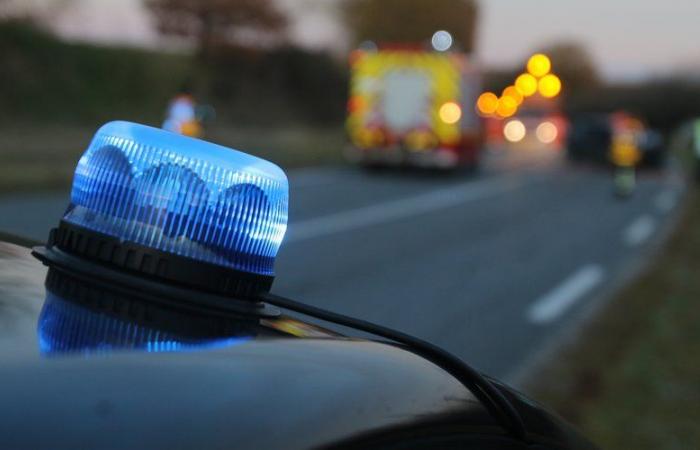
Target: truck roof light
[{"x": 441, "y": 40}]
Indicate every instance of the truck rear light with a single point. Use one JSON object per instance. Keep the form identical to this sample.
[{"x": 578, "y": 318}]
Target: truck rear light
[
  {"x": 368, "y": 138},
  {"x": 355, "y": 104},
  {"x": 450, "y": 112}
]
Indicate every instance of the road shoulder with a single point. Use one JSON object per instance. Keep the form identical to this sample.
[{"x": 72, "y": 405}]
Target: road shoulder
[{"x": 633, "y": 359}]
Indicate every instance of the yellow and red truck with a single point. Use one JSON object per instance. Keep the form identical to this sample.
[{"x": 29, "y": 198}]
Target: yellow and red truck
[{"x": 411, "y": 106}]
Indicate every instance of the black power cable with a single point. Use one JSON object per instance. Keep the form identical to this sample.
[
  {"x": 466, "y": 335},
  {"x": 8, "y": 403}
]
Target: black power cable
[{"x": 467, "y": 375}]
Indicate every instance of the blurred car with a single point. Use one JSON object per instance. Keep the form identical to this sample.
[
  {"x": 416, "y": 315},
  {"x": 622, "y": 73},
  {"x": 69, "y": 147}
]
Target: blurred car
[
  {"x": 410, "y": 106},
  {"x": 533, "y": 129},
  {"x": 591, "y": 138},
  {"x": 146, "y": 321}
]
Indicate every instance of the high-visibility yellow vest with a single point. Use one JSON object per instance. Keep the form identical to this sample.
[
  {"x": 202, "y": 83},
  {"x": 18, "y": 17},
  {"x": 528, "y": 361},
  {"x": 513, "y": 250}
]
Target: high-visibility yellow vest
[
  {"x": 624, "y": 151},
  {"x": 191, "y": 128}
]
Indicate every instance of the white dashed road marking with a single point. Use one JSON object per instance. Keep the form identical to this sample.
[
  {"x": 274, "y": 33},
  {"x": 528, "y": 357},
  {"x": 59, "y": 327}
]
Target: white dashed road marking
[
  {"x": 639, "y": 231},
  {"x": 554, "y": 304}
]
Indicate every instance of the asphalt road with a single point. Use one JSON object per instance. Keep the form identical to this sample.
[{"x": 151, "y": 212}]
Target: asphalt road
[{"x": 493, "y": 266}]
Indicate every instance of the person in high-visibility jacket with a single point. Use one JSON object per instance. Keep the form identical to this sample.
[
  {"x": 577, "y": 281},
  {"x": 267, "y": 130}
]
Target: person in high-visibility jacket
[
  {"x": 625, "y": 155},
  {"x": 625, "y": 151},
  {"x": 181, "y": 116}
]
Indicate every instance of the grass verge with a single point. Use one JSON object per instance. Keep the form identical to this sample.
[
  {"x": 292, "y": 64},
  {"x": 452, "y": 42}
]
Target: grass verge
[
  {"x": 41, "y": 158},
  {"x": 632, "y": 379}
]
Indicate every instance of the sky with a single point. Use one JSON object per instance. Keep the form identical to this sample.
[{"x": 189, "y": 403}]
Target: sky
[{"x": 629, "y": 39}]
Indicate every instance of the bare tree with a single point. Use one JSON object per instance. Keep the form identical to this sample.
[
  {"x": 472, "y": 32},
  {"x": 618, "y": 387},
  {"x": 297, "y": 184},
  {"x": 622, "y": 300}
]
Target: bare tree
[
  {"x": 411, "y": 20},
  {"x": 39, "y": 12},
  {"x": 213, "y": 22},
  {"x": 574, "y": 65}
]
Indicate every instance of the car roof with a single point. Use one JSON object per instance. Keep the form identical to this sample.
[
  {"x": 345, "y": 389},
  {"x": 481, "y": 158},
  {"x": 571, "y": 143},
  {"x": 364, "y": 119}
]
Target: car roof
[
  {"x": 82, "y": 374},
  {"x": 69, "y": 368}
]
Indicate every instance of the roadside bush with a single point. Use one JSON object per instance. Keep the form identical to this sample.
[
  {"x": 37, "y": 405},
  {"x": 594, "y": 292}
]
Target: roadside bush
[
  {"x": 279, "y": 84},
  {"x": 43, "y": 79}
]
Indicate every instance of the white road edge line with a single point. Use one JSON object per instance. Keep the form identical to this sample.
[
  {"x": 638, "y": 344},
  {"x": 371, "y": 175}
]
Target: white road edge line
[
  {"x": 564, "y": 296},
  {"x": 397, "y": 209},
  {"x": 639, "y": 230}
]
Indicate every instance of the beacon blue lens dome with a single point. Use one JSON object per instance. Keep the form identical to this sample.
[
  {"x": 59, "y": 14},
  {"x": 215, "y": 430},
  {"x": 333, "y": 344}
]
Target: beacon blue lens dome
[{"x": 181, "y": 196}]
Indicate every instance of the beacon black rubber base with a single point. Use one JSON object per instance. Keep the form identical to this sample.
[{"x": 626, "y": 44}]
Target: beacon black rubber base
[
  {"x": 156, "y": 264},
  {"x": 153, "y": 276}
]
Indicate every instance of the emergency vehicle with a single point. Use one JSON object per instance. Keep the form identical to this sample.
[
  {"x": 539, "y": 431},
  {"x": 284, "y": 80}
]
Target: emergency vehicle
[{"x": 412, "y": 106}]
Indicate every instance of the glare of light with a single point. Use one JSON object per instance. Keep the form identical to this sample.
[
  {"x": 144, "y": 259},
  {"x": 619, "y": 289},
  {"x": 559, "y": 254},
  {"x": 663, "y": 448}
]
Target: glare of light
[
  {"x": 441, "y": 40},
  {"x": 549, "y": 86},
  {"x": 511, "y": 91},
  {"x": 514, "y": 131},
  {"x": 487, "y": 103},
  {"x": 356, "y": 103},
  {"x": 526, "y": 84},
  {"x": 450, "y": 112},
  {"x": 539, "y": 65},
  {"x": 507, "y": 106},
  {"x": 546, "y": 132}
]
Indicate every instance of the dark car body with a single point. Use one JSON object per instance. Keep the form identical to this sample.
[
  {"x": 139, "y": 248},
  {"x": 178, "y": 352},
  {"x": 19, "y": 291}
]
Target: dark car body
[
  {"x": 653, "y": 148},
  {"x": 83, "y": 368},
  {"x": 590, "y": 139}
]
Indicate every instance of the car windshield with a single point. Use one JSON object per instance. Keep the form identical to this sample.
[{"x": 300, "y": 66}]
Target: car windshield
[{"x": 514, "y": 182}]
